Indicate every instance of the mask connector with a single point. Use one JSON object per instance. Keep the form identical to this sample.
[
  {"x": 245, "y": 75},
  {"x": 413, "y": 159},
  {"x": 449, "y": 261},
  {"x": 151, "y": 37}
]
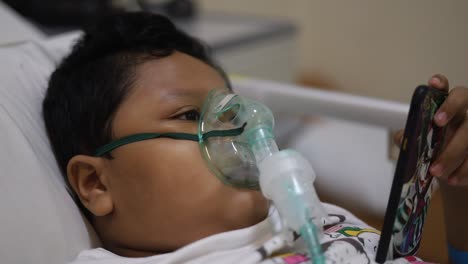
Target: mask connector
[{"x": 288, "y": 180}]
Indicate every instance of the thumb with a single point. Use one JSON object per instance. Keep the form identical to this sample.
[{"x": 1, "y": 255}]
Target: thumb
[{"x": 439, "y": 81}]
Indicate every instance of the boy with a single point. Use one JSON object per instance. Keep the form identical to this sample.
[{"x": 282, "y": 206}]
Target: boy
[{"x": 156, "y": 201}]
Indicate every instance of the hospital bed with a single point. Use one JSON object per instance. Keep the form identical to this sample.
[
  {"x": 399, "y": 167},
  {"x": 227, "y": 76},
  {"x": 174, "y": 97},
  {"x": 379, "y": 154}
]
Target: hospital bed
[{"x": 345, "y": 137}]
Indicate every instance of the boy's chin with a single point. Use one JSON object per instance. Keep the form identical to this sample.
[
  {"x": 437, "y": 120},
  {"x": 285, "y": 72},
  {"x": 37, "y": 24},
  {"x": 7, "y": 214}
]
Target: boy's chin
[{"x": 246, "y": 208}]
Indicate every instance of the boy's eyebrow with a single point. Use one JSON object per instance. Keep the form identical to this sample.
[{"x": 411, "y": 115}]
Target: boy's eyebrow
[{"x": 179, "y": 93}]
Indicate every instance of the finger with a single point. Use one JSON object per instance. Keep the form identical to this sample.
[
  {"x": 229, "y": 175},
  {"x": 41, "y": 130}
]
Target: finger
[
  {"x": 455, "y": 106},
  {"x": 453, "y": 155},
  {"x": 439, "y": 81},
  {"x": 398, "y": 137},
  {"x": 460, "y": 175}
]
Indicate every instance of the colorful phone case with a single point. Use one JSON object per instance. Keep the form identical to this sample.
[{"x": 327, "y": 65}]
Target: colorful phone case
[{"x": 412, "y": 185}]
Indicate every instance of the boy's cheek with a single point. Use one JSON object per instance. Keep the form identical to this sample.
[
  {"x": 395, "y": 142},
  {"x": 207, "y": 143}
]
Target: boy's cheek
[{"x": 161, "y": 165}]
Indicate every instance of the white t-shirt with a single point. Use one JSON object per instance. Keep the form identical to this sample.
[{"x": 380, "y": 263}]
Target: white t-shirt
[{"x": 346, "y": 239}]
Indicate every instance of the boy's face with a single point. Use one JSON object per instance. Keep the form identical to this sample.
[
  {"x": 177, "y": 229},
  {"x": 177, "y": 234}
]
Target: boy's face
[{"x": 163, "y": 195}]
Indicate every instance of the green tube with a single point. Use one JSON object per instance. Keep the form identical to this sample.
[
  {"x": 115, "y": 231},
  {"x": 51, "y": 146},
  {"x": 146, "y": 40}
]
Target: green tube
[{"x": 308, "y": 232}]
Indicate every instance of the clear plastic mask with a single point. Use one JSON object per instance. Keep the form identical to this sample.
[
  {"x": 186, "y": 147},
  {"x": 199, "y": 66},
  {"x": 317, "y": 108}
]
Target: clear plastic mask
[
  {"x": 231, "y": 158},
  {"x": 230, "y": 130}
]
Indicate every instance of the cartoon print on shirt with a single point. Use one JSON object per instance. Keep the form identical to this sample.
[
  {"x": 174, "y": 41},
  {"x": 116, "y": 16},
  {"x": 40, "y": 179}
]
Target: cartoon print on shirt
[
  {"x": 332, "y": 220},
  {"x": 370, "y": 240},
  {"x": 346, "y": 251},
  {"x": 367, "y": 236},
  {"x": 348, "y": 231},
  {"x": 353, "y": 231},
  {"x": 332, "y": 231},
  {"x": 288, "y": 258}
]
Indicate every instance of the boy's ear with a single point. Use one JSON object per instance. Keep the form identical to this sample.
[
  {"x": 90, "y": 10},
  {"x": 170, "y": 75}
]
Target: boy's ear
[{"x": 87, "y": 178}]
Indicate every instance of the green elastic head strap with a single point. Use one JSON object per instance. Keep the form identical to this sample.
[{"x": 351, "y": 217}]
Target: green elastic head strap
[{"x": 183, "y": 136}]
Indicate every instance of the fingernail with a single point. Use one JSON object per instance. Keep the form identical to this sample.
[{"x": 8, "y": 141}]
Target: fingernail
[
  {"x": 441, "y": 117},
  {"x": 435, "y": 81},
  {"x": 436, "y": 170}
]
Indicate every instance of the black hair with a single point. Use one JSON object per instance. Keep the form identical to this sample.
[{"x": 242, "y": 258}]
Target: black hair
[{"x": 88, "y": 86}]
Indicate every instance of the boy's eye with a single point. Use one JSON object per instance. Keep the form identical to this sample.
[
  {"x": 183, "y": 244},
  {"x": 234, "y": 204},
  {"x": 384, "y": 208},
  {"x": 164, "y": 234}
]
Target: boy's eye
[{"x": 192, "y": 115}]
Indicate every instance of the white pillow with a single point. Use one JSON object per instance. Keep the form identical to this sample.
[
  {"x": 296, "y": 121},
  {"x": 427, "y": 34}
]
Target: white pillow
[
  {"x": 39, "y": 221},
  {"x": 15, "y": 28}
]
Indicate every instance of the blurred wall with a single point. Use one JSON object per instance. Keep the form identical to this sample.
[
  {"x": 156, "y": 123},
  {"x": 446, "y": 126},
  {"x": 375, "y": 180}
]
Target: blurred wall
[{"x": 371, "y": 47}]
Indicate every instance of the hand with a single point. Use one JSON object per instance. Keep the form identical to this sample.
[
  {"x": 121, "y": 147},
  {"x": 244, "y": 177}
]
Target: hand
[{"x": 452, "y": 164}]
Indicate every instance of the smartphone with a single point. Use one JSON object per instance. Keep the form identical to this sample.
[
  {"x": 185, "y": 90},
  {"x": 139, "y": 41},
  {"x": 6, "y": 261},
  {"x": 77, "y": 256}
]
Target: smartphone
[{"x": 412, "y": 185}]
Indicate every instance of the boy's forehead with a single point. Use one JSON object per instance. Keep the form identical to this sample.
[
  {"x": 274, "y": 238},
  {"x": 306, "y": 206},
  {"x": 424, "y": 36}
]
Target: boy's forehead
[{"x": 176, "y": 76}]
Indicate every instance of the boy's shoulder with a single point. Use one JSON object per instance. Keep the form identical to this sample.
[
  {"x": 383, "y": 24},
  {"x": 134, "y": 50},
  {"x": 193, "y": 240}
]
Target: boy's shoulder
[{"x": 344, "y": 237}]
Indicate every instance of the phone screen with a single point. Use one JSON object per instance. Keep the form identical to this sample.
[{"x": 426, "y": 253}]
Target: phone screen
[{"x": 412, "y": 186}]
